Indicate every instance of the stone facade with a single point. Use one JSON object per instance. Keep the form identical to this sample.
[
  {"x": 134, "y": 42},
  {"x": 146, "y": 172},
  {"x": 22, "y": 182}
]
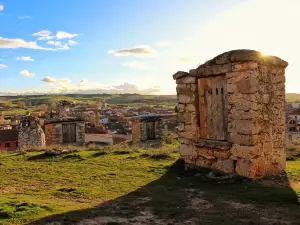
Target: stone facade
[
  {"x": 54, "y": 131},
  {"x": 146, "y": 130},
  {"x": 31, "y": 133},
  {"x": 249, "y": 90}
]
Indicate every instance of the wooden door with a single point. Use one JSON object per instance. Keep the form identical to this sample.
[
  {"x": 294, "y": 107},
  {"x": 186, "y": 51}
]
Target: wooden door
[
  {"x": 150, "y": 130},
  {"x": 69, "y": 133},
  {"x": 213, "y": 108}
]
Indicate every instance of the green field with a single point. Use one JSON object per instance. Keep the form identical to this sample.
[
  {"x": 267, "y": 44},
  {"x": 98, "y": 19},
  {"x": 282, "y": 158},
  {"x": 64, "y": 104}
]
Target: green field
[{"x": 122, "y": 185}]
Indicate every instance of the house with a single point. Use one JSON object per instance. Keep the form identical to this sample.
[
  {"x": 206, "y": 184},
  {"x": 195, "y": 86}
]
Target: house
[
  {"x": 146, "y": 130},
  {"x": 65, "y": 131},
  {"x": 230, "y": 107},
  {"x": 8, "y": 140}
]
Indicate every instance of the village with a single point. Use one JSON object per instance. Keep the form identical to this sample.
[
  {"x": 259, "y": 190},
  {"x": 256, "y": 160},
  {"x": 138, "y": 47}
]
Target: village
[{"x": 83, "y": 124}]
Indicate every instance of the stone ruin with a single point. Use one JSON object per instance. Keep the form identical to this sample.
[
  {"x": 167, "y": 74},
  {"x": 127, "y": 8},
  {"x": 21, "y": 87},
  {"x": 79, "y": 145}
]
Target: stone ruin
[
  {"x": 232, "y": 116},
  {"x": 67, "y": 127},
  {"x": 64, "y": 109},
  {"x": 146, "y": 130},
  {"x": 31, "y": 133}
]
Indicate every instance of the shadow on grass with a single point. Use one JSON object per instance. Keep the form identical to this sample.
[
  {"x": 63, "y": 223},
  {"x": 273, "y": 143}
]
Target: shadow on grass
[
  {"x": 97, "y": 154},
  {"x": 121, "y": 152},
  {"x": 156, "y": 156},
  {"x": 42, "y": 156},
  {"x": 189, "y": 197}
]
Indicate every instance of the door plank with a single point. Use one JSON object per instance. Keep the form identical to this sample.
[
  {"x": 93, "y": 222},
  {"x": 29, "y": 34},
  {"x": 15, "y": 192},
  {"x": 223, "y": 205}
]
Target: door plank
[{"x": 202, "y": 105}]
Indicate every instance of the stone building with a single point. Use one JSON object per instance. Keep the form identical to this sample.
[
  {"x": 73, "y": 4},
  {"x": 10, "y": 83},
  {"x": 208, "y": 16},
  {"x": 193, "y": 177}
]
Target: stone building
[
  {"x": 8, "y": 140},
  {"x": 65, "y": 131},
  {"x": 231, "y": 111},
  {"x": 146, "y": 130},
  {"x": 31, "y": 133}
]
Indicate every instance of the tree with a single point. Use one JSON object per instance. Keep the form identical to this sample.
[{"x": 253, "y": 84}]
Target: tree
[
  {"x": 44, "y": 108},
  {"x": 21, "y": 104}
]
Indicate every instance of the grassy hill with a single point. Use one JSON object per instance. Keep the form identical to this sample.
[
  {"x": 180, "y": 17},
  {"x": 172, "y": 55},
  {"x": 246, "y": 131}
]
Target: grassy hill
[{"x": 122, "y": 185}]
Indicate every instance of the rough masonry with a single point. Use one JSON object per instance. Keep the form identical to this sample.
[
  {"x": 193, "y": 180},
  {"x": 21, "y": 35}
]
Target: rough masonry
[
  {"x": 231, "y": 114},
  {"x": 31, "y": 133}
]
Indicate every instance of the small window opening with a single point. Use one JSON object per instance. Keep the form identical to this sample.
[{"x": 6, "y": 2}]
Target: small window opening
[
  {"x": 217, "y": 91},
  {"x": 222, "y": 91}
]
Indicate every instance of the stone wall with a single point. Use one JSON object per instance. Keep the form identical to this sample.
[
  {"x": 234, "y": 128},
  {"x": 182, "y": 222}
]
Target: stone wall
[
  {"x": 139, "y": 132},
  {"x": 31, "y": 134},
  {"x": 255, "y": 87},
  {"x": 54, "y": 134}
]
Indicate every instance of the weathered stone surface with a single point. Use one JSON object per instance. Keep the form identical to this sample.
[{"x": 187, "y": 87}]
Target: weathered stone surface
[
  {"x": 184, "y": 117},
  {"x": 224, "y": 165},
  {"x": 187, "y": 150},
  {"x": 247, "y": 86},
  {"x": 180, "y": 74},
  {"x": 247, "y": 152},
  {"x": 222, "y": 154},
  {"x": 184, "y": 141},
  {"x": 203, "y": 162},
  {"x": 253, "y": 143},
  {"x": 186, "y": 80},
  {"x": 191, "y": 108},
  {"x": 242, "y": 139},
  {"x": 244, "y": 66}
]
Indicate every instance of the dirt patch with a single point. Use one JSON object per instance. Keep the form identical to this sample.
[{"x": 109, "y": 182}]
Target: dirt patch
[{"x": 238, "y": 205}]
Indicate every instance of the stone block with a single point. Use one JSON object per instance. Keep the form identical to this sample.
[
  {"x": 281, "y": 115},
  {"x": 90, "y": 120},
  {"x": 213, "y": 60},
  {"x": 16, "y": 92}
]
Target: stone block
[
  {"x": 203, "y": 162},
  {"x": 244, "y": 66},
  {"x": 221, "y": 154},
  {"x": 224, "y": 165},
  {"x": 184, "y": 117},
  {"x": 184, "y": 141},
  {"x": 248, "y": 86},
  {"x": 187, "y": 80},
  {"x": 241, "y": 139},
  {"x": 186, "y": 98},
  {"x": 246, "y": 152},
  {"x": 191, "y": 108},
  {"x": 205, "y": 152},
  {"x": 181, "y": 107},
  {"x": 181, "y": 127},
  {"x": 243, "y": 126},
  {"x": 188, "y": 134},
  {"x": 187, "y": 150},
  {"x": 246, "y": 168}
]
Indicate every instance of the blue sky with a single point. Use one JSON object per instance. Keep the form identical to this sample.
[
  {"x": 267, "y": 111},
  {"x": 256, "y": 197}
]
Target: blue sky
[{"x": 111, "y": 46}]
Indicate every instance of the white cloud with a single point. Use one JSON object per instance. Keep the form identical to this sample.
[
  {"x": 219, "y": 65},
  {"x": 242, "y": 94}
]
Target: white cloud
[
  {"x": 3, "y": 66},
  {"x": 71, "y": 42},
  {"x": 44, "y": 35},
  {"x": 135, "y": 51},
  {"x": 135, "y": 64},
  {"x": 63, "y": 35},
  {"x": 26, "y": 73},
  {"x": 24, "y": 17},
  {"x": 55, "y": 43},
  {"x": 49, "y": 79},
  {"x": 25, "y": 58},
  {"x": 20, "y": 43},
  {"x": 1, "y": 7}
]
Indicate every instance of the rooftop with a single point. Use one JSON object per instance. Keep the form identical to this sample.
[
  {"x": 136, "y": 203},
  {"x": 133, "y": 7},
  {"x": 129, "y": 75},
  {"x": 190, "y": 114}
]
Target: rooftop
[{"x": 147, "y": 116}]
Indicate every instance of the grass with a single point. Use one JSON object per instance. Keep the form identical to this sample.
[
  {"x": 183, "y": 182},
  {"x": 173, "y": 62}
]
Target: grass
[
  {"x": 127, "y": 185},
  {"x": 59, "y": 183}
]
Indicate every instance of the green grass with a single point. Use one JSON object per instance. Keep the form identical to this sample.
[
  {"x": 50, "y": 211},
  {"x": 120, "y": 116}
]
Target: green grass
[
  {"x": 129, "y": 185},
  {"x": 51, "y": 184}
]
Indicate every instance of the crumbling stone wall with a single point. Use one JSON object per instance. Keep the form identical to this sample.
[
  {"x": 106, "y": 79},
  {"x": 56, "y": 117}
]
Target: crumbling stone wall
[
  {"x": 139, "y": 132},
  {"x": 31, "y": 134},
  {"x": 255, "y": 98},
  {"x": 54, "y": 133}
]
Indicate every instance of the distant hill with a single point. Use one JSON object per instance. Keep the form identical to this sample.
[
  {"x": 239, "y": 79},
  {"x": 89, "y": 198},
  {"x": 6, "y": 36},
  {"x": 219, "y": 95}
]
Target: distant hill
[{"x": 292, "y": 97}]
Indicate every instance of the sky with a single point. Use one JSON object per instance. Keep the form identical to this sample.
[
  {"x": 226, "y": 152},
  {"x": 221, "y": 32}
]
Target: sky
[{"x": 135, "y": 46}]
